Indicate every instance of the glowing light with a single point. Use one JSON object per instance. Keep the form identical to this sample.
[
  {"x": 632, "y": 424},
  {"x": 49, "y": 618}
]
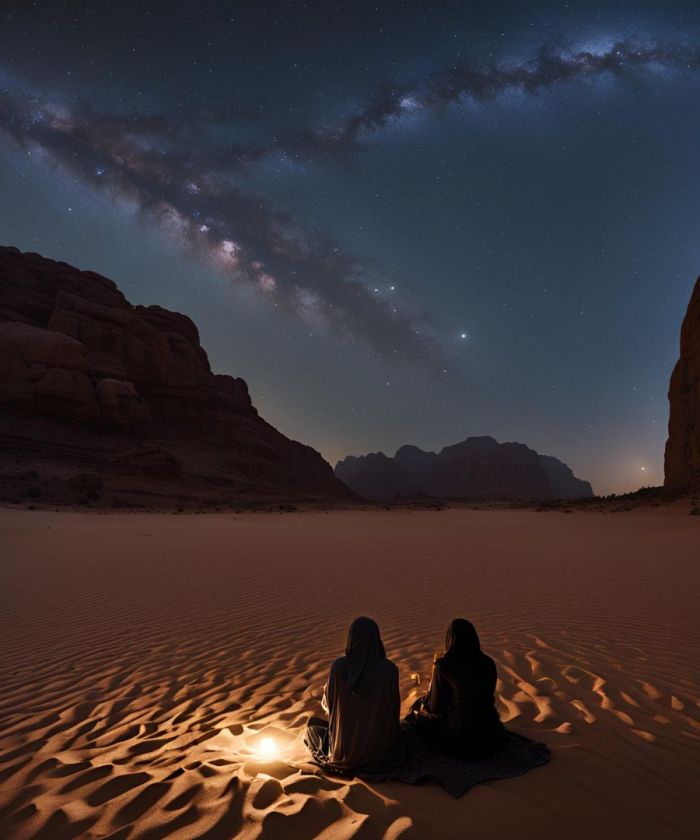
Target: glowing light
[
  {"x": 464, "y": 336},
  {"x": 267, "y": 748}
]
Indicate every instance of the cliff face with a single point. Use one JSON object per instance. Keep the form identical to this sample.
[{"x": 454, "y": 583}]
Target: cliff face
[
  {"x": 682, "y": 461},
  {"x": 476, "y": 467},
  {"x": 88, "y": 381}
]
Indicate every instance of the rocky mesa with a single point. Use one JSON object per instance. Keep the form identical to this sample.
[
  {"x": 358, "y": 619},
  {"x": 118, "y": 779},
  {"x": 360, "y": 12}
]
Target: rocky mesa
[
  {"x": 478, "y": 467},
  {"x": 682, "y": 461},
  {"x": 103, "y": 399}
]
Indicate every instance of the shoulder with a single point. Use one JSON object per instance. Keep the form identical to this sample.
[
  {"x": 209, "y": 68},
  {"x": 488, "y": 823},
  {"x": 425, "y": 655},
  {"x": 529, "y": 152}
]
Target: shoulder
[
  {"x": 388, "y": 670},
  {"x": 339, "y": 666},
  {"x": 441, "y": 668},
  {"x": 488, "y": 663},
  {"x": 441, "y": 662}
]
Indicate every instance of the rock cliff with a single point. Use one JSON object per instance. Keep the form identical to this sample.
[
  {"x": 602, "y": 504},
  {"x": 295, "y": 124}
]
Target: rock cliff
[
  {"x": 477, "y": 467},
  {"x": 682, "y": 461},
  {"x": 91, "y": 383}
]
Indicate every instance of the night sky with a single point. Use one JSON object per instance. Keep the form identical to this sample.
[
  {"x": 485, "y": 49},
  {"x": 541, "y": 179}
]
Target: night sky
[{"x": 399, "y": 222}]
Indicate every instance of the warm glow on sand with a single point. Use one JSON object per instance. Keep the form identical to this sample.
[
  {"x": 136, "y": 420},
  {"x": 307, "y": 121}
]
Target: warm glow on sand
[
  {"x": 267, "y": 748},
  {"x": 591, "y": 661}
]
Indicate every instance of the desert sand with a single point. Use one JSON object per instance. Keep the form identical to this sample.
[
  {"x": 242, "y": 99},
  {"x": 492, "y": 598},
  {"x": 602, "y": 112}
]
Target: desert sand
[{"x": 144, "y": 657}]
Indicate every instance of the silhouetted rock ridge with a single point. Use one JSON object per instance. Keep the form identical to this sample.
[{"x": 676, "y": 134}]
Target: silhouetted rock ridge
[{"x": 475, "y": 468}]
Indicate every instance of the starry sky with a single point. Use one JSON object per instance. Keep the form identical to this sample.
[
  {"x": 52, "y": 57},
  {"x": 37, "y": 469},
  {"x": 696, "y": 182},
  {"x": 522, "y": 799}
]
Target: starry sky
[{"x": 399, "y": 222}]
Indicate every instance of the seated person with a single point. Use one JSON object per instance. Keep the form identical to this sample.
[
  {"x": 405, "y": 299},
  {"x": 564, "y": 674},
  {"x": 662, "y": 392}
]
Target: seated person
[
  {"x": 363, "y": 704},
  {"x": 458, "y": 714}
]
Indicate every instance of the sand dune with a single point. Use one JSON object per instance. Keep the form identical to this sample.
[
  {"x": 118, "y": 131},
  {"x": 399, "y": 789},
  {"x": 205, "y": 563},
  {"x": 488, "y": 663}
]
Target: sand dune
[{"x": 145, "y": 657}]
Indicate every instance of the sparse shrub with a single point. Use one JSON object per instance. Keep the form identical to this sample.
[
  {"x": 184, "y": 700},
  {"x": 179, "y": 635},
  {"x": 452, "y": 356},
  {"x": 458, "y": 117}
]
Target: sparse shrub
[{"x": 34, "y": 492}]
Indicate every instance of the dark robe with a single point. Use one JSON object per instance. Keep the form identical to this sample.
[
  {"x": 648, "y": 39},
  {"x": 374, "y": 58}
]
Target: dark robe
[
  {"x": 458, "y": 715},
  {"x": 363, "y": 702}
]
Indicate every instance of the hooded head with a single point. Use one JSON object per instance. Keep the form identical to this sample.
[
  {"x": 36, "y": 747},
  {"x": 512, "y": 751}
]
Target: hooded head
[
  {"x": 364, "y": 644},
  {"x": 462, "y": 641}
]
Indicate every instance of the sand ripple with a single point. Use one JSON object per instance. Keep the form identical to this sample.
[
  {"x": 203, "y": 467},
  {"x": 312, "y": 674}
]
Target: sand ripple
[{"x": 146, "y": 658}]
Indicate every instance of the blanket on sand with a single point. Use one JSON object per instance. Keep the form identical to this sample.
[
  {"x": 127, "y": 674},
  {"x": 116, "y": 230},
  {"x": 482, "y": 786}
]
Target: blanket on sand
[{"x": 424, "y": 764}]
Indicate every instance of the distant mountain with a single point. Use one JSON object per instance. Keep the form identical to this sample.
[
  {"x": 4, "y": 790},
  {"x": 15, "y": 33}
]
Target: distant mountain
[
  {"x": 682, "y": 462},
  {"x": 100, "y": 398},
  {"x": 477, "y": 467}
]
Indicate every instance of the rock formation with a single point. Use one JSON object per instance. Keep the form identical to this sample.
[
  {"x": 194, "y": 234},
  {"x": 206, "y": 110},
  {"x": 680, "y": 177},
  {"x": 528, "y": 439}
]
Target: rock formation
[
  {"x": 682, "y": 462},
  {"x": 92, "y": 385},
  {"x": 478, "y": 467}
]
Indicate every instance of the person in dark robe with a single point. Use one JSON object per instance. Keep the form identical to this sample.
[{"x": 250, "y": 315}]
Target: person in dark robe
[
  {"x": 363, "y": 704},
  {"x": 458, "y": 715}
]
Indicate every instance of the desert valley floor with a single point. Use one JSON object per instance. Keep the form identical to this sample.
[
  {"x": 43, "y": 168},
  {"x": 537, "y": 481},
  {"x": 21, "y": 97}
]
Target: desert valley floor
[{"x": 144, "y": 656}]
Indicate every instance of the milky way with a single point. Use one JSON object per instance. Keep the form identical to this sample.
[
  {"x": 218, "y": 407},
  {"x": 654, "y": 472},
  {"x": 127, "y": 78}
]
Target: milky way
[
  {"x": 151, "y": 160},
  {"x": 305, "y": 274},
  {"x": 483, "y": 82}
]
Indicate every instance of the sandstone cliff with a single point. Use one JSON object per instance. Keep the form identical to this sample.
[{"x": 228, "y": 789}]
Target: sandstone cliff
[
  {"x": 682, "y": 462},
  {"x": 92, "y": 385}
]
